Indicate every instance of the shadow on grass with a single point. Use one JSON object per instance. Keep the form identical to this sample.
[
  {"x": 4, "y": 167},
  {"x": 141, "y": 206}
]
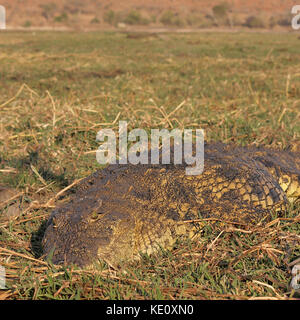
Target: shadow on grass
[
  {"x": 24, "y": 167},
  {"x": 36, "y": 240}
]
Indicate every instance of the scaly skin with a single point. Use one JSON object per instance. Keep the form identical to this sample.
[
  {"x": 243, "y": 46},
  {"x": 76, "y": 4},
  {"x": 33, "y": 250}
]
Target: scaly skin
[{"x": 126, "y": 209}]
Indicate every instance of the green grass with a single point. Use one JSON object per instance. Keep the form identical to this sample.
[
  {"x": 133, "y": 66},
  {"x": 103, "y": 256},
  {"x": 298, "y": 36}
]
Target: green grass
[{"x": 238, "y": 87}]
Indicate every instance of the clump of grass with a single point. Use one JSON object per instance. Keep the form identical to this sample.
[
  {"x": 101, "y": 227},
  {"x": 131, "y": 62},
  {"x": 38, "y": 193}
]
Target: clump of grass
[
  {"x": 48, "y": 10},
  {"x": 136, "y": 18},
  {"x": 63, "y": 17},
  {"x": 284, "y": 20},
  {"x": 220, "y": 13},
  {"x": 170, "y": 18},
  {"x": 200, "y": 21},
  {"x": 195, "y": 20},
  {"x": 95, "y": 20},
  {"x": 272, "y": 22},
  {"x": 255, "y": 22},
  {"x": 221, "y": 10},
  {"x": 27, "y": 24},
  {"x": 111, "y": 17}
]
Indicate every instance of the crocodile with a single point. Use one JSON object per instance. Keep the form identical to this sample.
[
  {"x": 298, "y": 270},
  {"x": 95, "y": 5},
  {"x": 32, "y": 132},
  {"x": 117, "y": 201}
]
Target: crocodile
[{"x": 121, "y": 211}]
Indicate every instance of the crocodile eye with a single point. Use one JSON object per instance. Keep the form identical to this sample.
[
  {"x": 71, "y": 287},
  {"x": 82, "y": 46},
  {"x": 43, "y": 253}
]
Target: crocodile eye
[{"x": 94, "y": 215}]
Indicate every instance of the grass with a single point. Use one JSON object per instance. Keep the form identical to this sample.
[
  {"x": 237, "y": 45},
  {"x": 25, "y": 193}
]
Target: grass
[{"x": 57, "y": 90}]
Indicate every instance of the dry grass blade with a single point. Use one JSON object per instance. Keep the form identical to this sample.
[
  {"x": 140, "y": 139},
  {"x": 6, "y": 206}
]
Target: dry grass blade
[
  {"x": 16, "y": 196},
  {"x": 50, "y": 202},
  {"x": 13, "y": 98},
  {"x": 22, "y": 256}
]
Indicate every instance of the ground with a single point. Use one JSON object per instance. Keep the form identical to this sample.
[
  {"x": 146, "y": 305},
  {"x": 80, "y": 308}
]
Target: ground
[{"x": 58, "y": 89}]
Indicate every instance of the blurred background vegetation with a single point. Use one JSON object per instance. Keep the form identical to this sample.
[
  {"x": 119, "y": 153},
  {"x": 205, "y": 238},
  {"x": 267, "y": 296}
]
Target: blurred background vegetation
[{"x": 96, "y": 14}]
